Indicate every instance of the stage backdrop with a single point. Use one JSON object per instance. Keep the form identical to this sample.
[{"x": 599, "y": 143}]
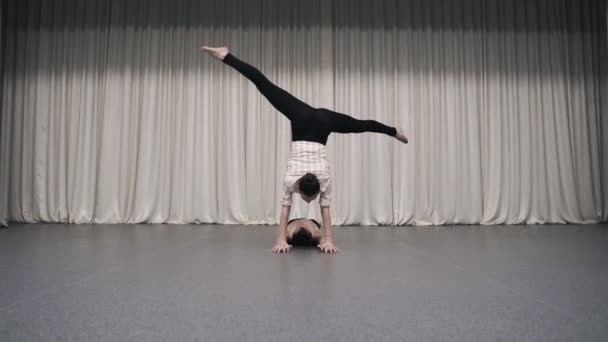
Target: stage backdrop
[{"x": 110, "y": 113}]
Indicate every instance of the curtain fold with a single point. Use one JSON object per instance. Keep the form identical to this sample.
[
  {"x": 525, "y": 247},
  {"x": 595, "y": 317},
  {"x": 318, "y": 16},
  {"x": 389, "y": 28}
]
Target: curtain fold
[
  {"x": 4, "y": 132},
  {"x": 110, "y": 113},
  {"x": 602, "y": 40}
]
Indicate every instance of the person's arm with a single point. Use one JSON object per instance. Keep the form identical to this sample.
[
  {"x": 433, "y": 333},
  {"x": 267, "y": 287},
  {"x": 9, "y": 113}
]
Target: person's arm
[
  {"x": 283, "y": 223},
  {"x": 327, "y": 244},
  {"x": 326, "y": 217},
  {"x": 282, "y": 245}
]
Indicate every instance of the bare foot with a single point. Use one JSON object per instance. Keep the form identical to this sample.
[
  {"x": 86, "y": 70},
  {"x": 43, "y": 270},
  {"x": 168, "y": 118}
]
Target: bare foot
[
  {"x": 219, "y": 52},
  {"x": 400, "y": 136}
]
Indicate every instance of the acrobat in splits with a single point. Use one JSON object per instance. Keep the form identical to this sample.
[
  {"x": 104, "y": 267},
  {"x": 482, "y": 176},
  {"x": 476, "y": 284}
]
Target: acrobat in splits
[{"x": 308, "y": 171}]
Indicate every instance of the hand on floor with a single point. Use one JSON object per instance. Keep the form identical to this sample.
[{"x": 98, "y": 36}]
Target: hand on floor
[
  {"x": 328, "y": 247},
  {"x": 281, "y": 246}
]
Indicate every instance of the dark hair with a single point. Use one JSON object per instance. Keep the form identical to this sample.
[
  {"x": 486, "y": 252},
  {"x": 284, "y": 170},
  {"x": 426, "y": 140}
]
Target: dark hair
[
  {"x": 303, "y": 237},
  {"x": 309, "y": 184}
]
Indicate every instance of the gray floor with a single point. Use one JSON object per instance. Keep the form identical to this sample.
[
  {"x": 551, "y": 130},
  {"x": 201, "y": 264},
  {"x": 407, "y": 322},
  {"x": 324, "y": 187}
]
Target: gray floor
[{"x": 222, "y": 283}]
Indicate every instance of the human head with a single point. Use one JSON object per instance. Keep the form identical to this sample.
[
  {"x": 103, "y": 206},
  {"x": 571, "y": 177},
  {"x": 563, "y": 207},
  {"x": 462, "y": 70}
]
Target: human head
[
  {"x": 309, "y": 187},
  {"x": 303, "y": 237}
]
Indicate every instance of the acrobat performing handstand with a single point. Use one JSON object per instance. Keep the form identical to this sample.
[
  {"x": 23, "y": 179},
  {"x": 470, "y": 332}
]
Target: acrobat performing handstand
[{"x": 308, "y": 171}]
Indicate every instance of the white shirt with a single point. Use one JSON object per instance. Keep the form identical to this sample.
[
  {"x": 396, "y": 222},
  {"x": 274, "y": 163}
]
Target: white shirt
[{"x": 305, "y": 157}]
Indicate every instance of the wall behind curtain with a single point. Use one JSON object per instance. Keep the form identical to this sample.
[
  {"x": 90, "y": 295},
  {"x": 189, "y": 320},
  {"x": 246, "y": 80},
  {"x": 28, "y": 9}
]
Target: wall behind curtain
[{"x": 111, "y": 114}]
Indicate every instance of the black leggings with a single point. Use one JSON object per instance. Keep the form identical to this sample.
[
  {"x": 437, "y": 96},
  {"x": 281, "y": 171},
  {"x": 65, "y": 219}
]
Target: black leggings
[{"x": 307, "y": 123}]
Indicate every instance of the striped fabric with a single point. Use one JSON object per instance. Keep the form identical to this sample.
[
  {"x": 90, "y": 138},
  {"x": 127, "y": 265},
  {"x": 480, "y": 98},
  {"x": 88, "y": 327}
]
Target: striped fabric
[{"x": 307, "y": 156}]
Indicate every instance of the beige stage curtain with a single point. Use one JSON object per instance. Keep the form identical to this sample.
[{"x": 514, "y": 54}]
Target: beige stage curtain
[
  {"x": 4, "y": 137},
  {"x": 111, "y": 114}
]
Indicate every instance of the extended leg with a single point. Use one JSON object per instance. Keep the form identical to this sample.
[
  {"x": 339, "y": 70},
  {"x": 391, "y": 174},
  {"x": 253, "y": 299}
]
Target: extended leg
[
  {"x": 342, "y": 123},
  {"x": 283, "y": 101}
]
